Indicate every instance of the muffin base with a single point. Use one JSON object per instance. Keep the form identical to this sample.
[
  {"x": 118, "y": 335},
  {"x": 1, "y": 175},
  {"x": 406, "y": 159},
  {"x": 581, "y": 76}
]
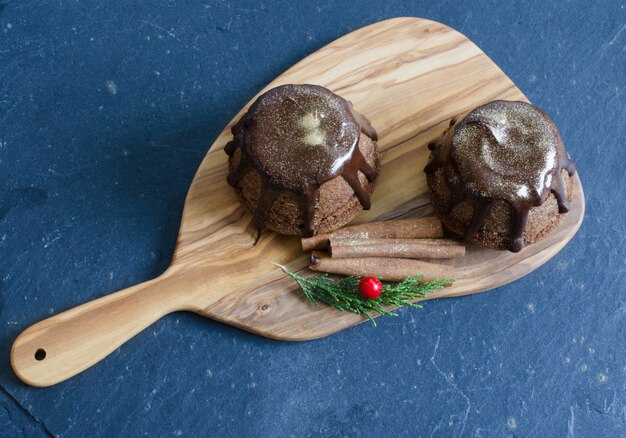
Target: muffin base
[
  {"x": 495, "y": 231},
  {"x": 336, "y": 203}
]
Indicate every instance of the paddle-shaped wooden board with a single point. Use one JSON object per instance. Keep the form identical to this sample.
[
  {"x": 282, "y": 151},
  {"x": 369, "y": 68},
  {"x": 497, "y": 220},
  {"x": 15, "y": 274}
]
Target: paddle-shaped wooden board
[{"x": 409, "y": 76}]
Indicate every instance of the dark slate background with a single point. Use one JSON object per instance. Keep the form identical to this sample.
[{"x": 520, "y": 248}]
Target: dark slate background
[{"x": 107, "y": 108}]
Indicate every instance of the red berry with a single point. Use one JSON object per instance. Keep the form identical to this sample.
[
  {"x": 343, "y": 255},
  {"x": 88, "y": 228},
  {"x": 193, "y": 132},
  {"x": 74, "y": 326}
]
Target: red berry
[{"x": 370, "y": 288}]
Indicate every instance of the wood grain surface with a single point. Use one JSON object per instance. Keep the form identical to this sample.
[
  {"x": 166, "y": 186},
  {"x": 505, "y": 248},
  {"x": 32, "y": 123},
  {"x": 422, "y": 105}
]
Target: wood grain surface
[{"x": 409, "y": 76}]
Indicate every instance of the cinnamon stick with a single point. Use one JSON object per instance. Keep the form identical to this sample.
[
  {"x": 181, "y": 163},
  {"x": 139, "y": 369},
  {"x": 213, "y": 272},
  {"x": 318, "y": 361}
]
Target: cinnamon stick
[
  {"x": 402, "y": 248},
  {"x": 384, "y": 268},
  {"x": 423, "y": 227}
]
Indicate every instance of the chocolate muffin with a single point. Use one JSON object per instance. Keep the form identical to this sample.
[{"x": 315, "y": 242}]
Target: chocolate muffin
[
  {"x": 302, "y": 161},
  {"x": 500, "y": 175}
]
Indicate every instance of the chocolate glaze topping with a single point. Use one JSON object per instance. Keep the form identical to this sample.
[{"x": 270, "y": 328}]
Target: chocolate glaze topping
[
  {"x": 298, "y": 137},
  {"x": 502, "y": 150}
]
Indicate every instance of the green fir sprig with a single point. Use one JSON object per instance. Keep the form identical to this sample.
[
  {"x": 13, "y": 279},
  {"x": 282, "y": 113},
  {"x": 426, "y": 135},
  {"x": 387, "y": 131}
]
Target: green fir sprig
[{"x": 343, "y": 294}]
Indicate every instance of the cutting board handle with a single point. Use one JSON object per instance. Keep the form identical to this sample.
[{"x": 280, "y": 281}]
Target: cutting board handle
[{"x": 62, "y": 346}]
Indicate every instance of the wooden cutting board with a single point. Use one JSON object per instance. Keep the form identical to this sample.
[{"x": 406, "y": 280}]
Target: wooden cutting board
[{"x": 409, "y": 76}]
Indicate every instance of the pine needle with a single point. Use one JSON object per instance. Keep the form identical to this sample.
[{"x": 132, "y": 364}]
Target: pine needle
[{"x": 344, "y": 294}]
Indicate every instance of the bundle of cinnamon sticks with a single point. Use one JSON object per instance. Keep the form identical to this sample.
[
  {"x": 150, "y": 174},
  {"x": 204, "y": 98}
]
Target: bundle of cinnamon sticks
[{"x": 386, "y": 250}]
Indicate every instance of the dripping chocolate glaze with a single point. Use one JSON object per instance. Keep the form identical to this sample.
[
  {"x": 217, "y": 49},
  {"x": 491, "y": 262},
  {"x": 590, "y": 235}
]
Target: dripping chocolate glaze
[
  {"x": 502, "y": 150},
  {"x": 298, "y": 137}
]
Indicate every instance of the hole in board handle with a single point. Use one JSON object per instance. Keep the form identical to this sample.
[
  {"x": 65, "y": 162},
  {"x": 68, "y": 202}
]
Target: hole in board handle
[{"x": 40, "y": 354}]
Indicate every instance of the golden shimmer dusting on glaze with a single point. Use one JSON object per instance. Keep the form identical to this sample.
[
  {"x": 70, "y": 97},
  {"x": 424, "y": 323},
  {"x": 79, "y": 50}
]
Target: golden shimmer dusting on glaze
[
  {"x": 298, "y": 137},
  {"x": 299, "y": 134},
  {"x": 502, "y": 150},
  {"x": 506, "y": 150}
]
